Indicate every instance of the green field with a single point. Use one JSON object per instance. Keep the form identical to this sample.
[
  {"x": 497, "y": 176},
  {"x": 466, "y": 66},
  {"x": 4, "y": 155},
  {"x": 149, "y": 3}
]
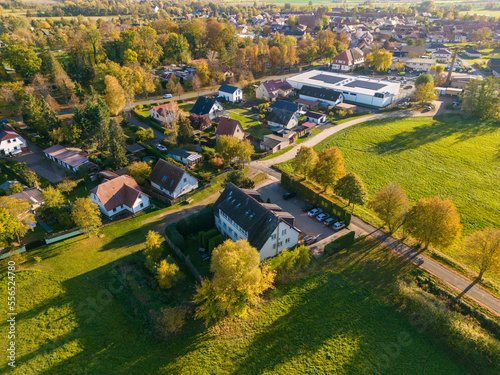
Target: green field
[
  {"x": 248, "y": 123},
  {"x": 321, "y": 324}
]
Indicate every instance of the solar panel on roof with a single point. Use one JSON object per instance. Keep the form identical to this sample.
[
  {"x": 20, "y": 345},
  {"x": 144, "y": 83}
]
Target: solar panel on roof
[
  {"x": 365, "y": 85},
  {"x": 328, "y": 78}
]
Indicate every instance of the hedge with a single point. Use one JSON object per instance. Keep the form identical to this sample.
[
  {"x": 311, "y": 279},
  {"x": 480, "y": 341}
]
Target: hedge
[
  {"x": 315, "y": 198},
  {"x": 207, "y": 236},
  {"x": 340, "y": 243},
  {"x": 200, "y": 221},
  {"x": 174, "y": 235},
  {"x": 148, "y": 121},
  {"x": 215, "y": 241}
]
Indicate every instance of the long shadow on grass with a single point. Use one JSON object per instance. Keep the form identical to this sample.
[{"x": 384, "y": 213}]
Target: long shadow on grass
[
  {"x": 112, "y": 333},
  {"x": 318, "y": 310},
  {"x": 436, "y": 129}
]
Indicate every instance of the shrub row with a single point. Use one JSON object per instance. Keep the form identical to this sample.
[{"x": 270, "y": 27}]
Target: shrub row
[
  {"x": 148, "y": 121},
  {"x": 205, "y": 237},
  {"x": 200, "y": 221},
  {"x": 174, "y": 235},
  {"x": 340, "y": 243},
  {"x": 314, "y": 197},
  {"x": 215, "y": 241}
]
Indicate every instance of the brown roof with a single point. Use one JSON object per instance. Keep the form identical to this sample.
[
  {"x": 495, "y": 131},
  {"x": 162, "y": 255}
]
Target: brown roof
[
  {"x": 33, "y": 196},
  {"x": 227, "y": 126},
  {"x": 167, "y": 175},
  {"x": 120, "y": 190},
  {"x": 70, "y": 157},
  {"x": 165, "y": 109},
  {"x": 7, "y": 133}
]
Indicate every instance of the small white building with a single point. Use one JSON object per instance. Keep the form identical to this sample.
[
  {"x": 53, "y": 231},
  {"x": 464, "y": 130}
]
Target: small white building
[
  {"x": 315, "y": 117},
  {"x": 441, "y": 54},
  {"x": 240, "y": 216},
  {"x": 165, "y": 113},
  {"x": 231, "y": 94},
  {"x": 472, "y": 53},
  {"x": 186, "y": 157},
  {"x": 119, "y": 194},
  {"x": 171, "y": 180},
  {"x": 11, "y": 143}
]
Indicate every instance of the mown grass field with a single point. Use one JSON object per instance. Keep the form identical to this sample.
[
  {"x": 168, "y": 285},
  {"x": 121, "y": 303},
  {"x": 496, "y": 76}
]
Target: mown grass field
[
  {"x": 248, "y": 123},
  {"x": 321, "y": 324}
]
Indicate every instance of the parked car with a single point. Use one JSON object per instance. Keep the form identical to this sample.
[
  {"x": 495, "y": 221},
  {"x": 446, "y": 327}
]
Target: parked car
[
  {"x": 338, "y": 226},
  {"x": 307, "y": 208},
  {"x": 167, "y": 96},
  {"x": 308, "y": 240},
  {"x": 308, "y": 134},
  {"x": 205, "y": 256},
  {"x": 288, "y": 196},
  {"x": 315, "y": 212},
  {"x": 330, "y": 221},
  {"x": 161, "y": 147},
  {"x": 322, "y": 217}
]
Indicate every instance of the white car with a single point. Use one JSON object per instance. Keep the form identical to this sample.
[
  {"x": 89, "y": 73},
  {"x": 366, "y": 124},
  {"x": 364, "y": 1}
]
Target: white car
[
  {"x": 167, "y": 96},
  {"x": 315, "y": 212},
  {"x": 338, "y": 226},
  {"x": 161, "y": 147},
  {"x": 322, "y": 217}
]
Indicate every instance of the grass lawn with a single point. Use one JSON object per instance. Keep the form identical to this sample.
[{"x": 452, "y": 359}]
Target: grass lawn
[
  {"x": 248, "y": 123},
  {"x": 321, "y": 324},
  {"x": 315, "y": 131}
]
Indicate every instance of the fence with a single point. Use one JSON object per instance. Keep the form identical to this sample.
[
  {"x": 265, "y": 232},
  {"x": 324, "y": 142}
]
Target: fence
[{"x": 186, "y": 259}]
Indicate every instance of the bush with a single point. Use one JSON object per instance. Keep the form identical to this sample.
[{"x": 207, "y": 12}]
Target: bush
[
  {"x": 171, "y": 321},
  {"x": 207, "y": 236},
  {"x": 173, "y": 234},
  {"x": 290, "y": 261},
  {"x": 238, "y": 178},
  {"x": 340, "y": 243},
  {"x": 200, "y": 221},
  {"x": 215, "y": 241}
]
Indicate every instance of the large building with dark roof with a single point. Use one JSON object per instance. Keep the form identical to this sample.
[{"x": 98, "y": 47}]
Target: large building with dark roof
[
  {"x": 354, "y": 89},
  {"x": 240, "y": 215}
]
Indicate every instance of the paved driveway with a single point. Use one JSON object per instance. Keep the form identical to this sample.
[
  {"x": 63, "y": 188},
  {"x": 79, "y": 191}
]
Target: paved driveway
[
  {"x": 309, "y": 226},
  {"x": 35, "y": 159}
]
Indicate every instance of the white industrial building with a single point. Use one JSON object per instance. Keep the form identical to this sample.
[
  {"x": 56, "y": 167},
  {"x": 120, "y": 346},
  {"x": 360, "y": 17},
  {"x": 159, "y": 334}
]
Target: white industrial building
[{"x": 354, "y": 89}]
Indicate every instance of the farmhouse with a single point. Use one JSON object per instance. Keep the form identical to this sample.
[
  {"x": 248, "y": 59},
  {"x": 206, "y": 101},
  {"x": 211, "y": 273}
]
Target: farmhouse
[
  {"x": 171, "y": 180},
  {"x": 355, "y": 89},
  {"x": 272, "y": 90},
  {"x": 348, "y": 60},
  {"x": 166, "y": 113},
  {"x": 231, "y": 94},
  {"x": 239, "y": 215},
  {"x": 207, "y": 107},
  {"x": 69, "y": 159},
  {"x": 11, "y": 143},
  {"x": 119, "y": 194},
  {"x": 186, "y": 157},
  {"x": 228, "y": 126}
]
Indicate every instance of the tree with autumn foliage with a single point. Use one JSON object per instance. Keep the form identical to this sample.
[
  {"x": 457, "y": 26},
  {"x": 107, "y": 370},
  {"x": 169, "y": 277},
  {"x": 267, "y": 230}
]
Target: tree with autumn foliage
[
  {"x": 237, "y": 283},
  {"x": 391, "y": 205},
  {"x": 329, "y": 168},
  {"x": 482, "y": 249},
  {"x": 434, "y": 221},
  {"x": 305, "y": 161}
]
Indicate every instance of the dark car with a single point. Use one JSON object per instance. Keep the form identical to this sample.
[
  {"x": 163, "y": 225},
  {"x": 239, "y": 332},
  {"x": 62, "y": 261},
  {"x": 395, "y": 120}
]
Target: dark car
[
  {"x": 288, "y": 196},
  {"x": 307, "y": 208}
]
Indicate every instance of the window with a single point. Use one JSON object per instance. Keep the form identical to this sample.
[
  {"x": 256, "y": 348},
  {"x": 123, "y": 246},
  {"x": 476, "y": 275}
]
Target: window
[
  {"x": 280, "y": 243},
  {"x": 114, "y": 209},
  {"x": 287, "y": 240},
  {"x": 283, "y": 232},
  {"x": 142, "y": 205},
  {"x": 224, "y": 225},
  {"x": 273, "y": 237},
  {"x": 274, "y": 246}
]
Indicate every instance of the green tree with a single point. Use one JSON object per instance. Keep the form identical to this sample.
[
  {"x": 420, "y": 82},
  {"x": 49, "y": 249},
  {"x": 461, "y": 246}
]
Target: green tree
[
  {"x": 176, "y": 48},
  {"x": 92, "y": 117},
  {"x": 434, "y": 221},
  {"x": 289, "y": 262},
  {"x": 483, "y": 250},
  {"x": 203, "y": 73},
  {"x": 185, "y": 132},
  {"x": 391, "y": 205},
  {"x": 139, "y": 171},
  {"x": 423, "y": 79},
  {"x": 16, "y": 188},
  {"x": 305, "y": 161},
  {"x": 86, "y": 215},
  {"x": 66, "y": 186},
  {"x": 23, "y": 59},
  {"x": 481, "y": 98},
  {"x": 168, "y": 274},
  {"x": 238, "y": 178},
  {"x": 53, "y": 198},
  {"x": 352, "y": 188},
  {"x": 144, "y": 134},
  {"x": 116, "y": 158},
  {"x": 227, "y": 295},
  {"x": 15, "y": 218},
  {"x": 329, "y": 168}
]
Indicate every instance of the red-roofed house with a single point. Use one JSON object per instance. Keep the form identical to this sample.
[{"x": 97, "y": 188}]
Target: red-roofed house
[
  {"x": 119, "y": 194},
  {"x": 11, "y": 143},
  {"x": 348, "y": 60},
  {"x": 271, "y": 90},
  {"x": 228, "y": 126},
  {"x": 165, "y": 112}
]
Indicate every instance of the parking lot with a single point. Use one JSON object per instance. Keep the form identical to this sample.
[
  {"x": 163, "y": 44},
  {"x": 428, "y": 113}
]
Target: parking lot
[{"x": 308, "y": 225}]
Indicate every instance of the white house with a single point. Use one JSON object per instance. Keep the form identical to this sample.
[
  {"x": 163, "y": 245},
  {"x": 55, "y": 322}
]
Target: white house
[
  {"x": 326, "y": 96},
  {"x": 119, "y": 194},
  {"x": 171, "y": 180},
  {"x": 282, "y": 119},
  {"x": 275, "y": 143},
  {"x": 239, "y": 215},
  {"x": 207, "y": 107},
  {"x": 472, "y": 53},
  {"x": 273, "y": 89},
  {"x": 231, "y": 94},
  {"x": 315, "y": 117},
  {"x": 348, "y": 60},
  {"x": 441, "y": 54},
  {"x": 166, "y": 113},
  {"x": 11, "y": 143}
]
